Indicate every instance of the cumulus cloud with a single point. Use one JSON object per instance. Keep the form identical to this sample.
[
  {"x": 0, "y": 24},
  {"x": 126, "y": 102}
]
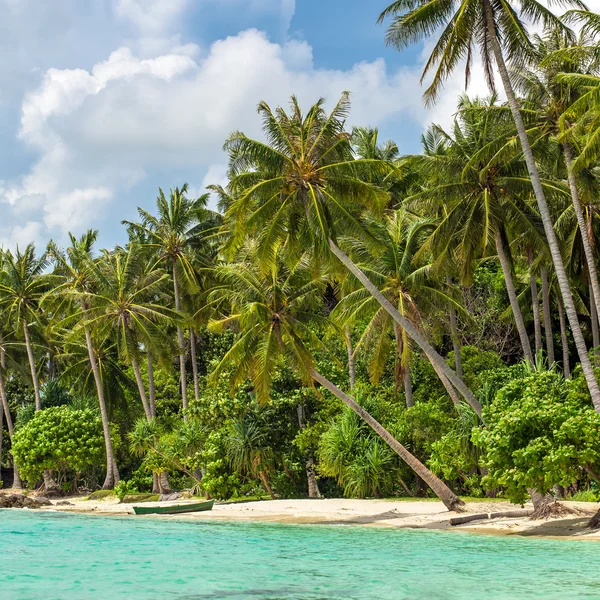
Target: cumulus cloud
[{"x": 102, "y": 130}]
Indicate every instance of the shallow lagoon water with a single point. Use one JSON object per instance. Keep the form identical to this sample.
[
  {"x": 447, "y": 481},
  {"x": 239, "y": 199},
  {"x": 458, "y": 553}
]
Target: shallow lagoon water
[{"x": 46, "y": 555}]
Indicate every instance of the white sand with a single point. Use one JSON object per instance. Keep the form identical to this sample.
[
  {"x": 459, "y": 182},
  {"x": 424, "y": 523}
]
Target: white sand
[{"x": 380, "y": 513}]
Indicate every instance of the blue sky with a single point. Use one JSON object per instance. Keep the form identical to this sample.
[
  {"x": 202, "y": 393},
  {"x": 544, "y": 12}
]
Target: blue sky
[{"x": 105, "y": 100}]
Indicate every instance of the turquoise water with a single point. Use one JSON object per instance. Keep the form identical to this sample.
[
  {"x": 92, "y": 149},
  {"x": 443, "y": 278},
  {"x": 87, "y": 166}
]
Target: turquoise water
[{"x": 58, "y": 556}]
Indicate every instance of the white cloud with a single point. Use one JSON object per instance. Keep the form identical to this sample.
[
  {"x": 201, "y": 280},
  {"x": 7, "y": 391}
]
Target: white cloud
[{"x": 151, "y": 17}]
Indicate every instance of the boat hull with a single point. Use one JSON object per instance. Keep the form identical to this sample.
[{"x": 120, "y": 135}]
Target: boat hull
[{"x": 173, "y": 510}]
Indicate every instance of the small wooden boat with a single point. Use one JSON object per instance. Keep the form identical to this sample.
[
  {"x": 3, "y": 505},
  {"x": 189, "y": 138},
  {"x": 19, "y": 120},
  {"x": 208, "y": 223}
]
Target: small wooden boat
[{"x": 176, "y": 509}]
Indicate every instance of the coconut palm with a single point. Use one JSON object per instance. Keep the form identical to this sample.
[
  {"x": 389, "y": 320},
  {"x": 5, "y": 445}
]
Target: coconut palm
[
  {"x": 498, "y": 32},
  {"x": 76, "y": 277},
  {"x": 481, "y": 186},
  {"x": 180, "y": 225},
  {"x": 23, "y": 284},
  {"x": 301, "y": 188},
  {"x": 274, "y": 311},
  {"x": 405, "y": 282},
  {"x": 549, "y": 95}
]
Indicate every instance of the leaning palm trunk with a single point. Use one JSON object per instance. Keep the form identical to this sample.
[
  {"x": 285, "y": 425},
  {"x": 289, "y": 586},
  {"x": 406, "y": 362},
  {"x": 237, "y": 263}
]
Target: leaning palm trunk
[
  {"x": 112, "y": 473},
  {"x": 583, "y": 229},
  {"x": 180, "y": 343},
  {"x": 402, "y": 371},
  {"x": 535, "y": 307},
  {"x": 34, "y": 376},
  {"x": 547, "y": 316},
  {"x": 454, "y": 336},
  {"x": 9, "y": 425},
  {"x": 410, "y": 329},
  {"x": 266, "y": 484},
  {"x": 194, "y": 364},
  {"x": 442, "y": 491},
  {"x": 563, "y": 338},
  {"x": 512, "y": 296},
  {"x": 559, "y": 267}
]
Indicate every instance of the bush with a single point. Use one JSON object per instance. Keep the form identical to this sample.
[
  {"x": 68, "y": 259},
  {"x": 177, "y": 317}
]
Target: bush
[{"x": 59, "y": 439}]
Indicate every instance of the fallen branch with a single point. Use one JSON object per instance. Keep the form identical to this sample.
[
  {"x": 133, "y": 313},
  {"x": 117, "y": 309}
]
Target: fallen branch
[
  {"x": 524, "y": 512},
  {"x": 468, "y": 518}
]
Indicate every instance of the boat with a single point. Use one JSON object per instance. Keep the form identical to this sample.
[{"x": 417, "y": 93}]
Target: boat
[{"x": 173, "y": 509}]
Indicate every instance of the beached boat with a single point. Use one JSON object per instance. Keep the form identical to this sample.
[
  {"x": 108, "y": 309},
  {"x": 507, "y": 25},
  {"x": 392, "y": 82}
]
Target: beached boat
[{"x": 176, "y": 509}]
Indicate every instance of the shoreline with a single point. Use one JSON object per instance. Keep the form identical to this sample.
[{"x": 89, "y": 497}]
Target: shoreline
[{"x": 412, "y": 514}]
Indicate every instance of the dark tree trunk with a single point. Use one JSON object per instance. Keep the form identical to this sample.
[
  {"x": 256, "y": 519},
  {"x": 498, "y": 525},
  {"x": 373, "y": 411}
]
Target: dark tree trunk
[
  {"x": 266, "y": 484},
  {"x": 595, "y": 332},
  {"x": 17, "y": 483}
]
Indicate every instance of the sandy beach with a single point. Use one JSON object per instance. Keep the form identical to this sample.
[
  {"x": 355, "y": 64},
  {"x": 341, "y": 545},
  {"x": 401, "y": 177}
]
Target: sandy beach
[{"x": 369, "y": 513}]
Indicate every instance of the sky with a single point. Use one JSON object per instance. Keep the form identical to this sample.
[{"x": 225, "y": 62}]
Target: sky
[{"x": 103, "y": 101}]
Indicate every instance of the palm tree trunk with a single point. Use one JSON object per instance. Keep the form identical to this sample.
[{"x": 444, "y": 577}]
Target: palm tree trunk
[
  {"x": 313, "y": 486},
  {"x": 547, "y": 316},
  {"x": 594, "y": 320},
  {"x": 408, "y": 391},
  {"x": 443, "y": 492},
  {"x": 454, "y": 335},
  {"x": 194, "y": 364},
  {"x": 266, "y": 484},
  {"x": 151, "y": 385},
  {"x": 351, "y": 363},
  {"x": 583, "y": 229},
  {"x": 402, "y": 372},
  {"x": 180, "y": 343},
  {"x": 449, "y": 387},
  {"x": 535, "y": 308},
  {"x": 410, "y": 329},
  {"x": 34, "y": 376},
  {"x": 141, "y": 388},
  {"x": 112, "y": 473},
  {"x": 17, "y": 483},
  {"x": 559, "y": 267},
  {"x": 163, "y": 483},
  {"x": 512, "y": 296},
  {"x": 563, "y": 338}
]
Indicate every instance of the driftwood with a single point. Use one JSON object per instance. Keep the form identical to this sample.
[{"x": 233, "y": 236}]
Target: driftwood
[
  {"x": 496, "y": 515},
  {"x": 468, "y": 518},
  {"x": 524, "y": 512}
]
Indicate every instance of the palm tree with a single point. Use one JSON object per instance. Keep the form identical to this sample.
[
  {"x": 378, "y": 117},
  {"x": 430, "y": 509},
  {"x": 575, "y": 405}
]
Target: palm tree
[
  {"x": 405, "y": 282},
  {"x": 124, "y": 304},
  {"x": 480, "y": 186},
  {"x": 22, "y": 286},
  {"x": 181, "y": 225},
  {"x": 274, "y": 311},
  {"x": 75, "y": 272},
  {"x": 498, "y": 32},
  {"x": 549, "y": 95},
  {"x": 303, "y": 186}
]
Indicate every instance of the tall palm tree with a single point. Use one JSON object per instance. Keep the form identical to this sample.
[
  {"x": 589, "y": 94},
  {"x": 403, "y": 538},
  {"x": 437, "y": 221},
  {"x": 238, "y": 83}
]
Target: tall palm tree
[
  {"x": 274, "y": 311},
  {"x": 124, "y": 304},
  {"x": 302, "y": 187},
  {"x": 481, "y": 187},
  {"x": 405, "y": 282},
  {"x": 498, "y": 32},
  {"x": 75, "y": 272},
  {"x": 23, "y": 284},
  {"x": 549, "y": 94},
  {"x": 181, "y": 224}
]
